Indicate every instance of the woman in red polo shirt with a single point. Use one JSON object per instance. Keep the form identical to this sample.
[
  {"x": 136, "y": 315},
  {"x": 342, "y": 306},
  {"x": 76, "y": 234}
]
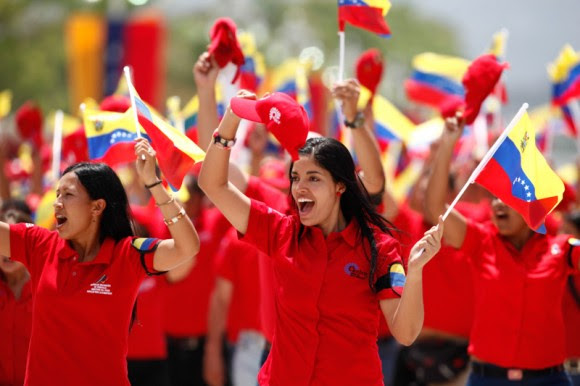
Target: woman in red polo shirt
[
  {"x": 86, "y": 274},
  {"x": 517, "y": 336},
  {"x": 15, "y": 311},
  {"x": 334, "y": 262}
]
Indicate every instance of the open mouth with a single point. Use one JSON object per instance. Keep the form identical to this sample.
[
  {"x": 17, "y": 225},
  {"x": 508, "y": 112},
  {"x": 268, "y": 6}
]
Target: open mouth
[
  {"x": 60, "y": 220},
  {"x": 305, "y": 205}
]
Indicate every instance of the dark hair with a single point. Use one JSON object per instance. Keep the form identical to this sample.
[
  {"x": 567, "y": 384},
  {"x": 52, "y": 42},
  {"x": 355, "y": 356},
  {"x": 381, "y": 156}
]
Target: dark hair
[
  {"x": 101, "y": 182},
  {"x": 16, "y": 204},
  {"x": 355, "y": 202},
  {"x": 17, "y": 216}
]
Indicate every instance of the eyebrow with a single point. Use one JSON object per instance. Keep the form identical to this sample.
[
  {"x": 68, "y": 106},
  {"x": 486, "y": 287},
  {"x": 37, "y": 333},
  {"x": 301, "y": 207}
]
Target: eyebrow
[{"x": 308, "y": 172}]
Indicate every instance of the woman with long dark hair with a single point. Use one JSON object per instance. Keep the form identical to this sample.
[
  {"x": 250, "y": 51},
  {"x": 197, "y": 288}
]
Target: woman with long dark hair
[
  {"x": 86, "y": 274},
  {"x": 335, "y": 262}
]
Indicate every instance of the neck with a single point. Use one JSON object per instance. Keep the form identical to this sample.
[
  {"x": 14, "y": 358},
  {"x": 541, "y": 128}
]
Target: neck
[
  {"x": 519, "y": 240},
  {"x": 87, "y": 248},
  {"x": 336, "y": 223},
  {"x": 16, "y": 281}
]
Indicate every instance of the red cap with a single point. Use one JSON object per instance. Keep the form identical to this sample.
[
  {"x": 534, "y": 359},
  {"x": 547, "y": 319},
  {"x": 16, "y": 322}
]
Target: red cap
[
  {"x": 369, "y": 69},
  {"x": 115, "y": 103},
  {"x": 29, "y": 123},
  {"x": 224, "y": 45},
  {"x": 283, "y": 116},
  {"x": 479, "y": 81}
]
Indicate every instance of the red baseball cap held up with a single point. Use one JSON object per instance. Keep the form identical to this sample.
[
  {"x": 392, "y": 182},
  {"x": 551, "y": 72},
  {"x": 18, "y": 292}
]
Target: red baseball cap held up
[
  {"x": 285, "y": 118},
  {"x": 224, "y": 45}
]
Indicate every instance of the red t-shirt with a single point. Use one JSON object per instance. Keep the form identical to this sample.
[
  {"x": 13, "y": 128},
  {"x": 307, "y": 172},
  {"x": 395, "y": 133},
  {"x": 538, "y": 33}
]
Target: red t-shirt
[
  {"x": 82, "y": 311},
  {"x": 147, "y": 338},
  {"x": 15, "y": 325},
  {"x": 326, "y": 314},
  {"x": 518, "y": 320},
  {"x": 447, "y": 283},
  {"x": 186, "y": 302},
  {"x": 261, "y": 191},
  {"x": 238, "y": 263}
]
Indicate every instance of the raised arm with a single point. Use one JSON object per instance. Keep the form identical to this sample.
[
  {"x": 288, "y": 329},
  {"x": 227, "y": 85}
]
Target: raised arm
[
  {"x": 214, "y": 175},
  {"x": 4, "y": 239},
  {"x": 437, "y": 187},
  {"x": 205, "y": 72},
  {"x": 405, "y": 315},
  {"x": 365, "y": 144},
  {"x": 184, "y": 243}
]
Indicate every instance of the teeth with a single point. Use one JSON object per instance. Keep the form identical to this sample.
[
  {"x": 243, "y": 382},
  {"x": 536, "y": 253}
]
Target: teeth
[{"x": 304, "y": 200}]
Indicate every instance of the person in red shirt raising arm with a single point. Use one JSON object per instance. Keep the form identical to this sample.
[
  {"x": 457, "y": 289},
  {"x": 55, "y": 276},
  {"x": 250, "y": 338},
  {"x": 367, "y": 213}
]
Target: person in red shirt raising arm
[
  {"x": 517, "y": 336},
  {"x": 334, "y": 260},
  {"x": 87, "y": 273}
]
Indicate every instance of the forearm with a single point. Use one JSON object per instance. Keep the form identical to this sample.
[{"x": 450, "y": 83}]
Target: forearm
[
  {"x": 409, "y": 315},
  {"x": 207, "y": 119},
  {"x": 217, "y": 317},
  {"x": 4, "y": 183},
  {"x": 369, "y": 158},
  {"x": 184, "y": 236},
  {"x": 437, "y": 187}
]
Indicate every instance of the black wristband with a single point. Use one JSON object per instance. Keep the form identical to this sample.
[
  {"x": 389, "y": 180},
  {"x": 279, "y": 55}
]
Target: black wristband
[{"x": 153, "y": 184}]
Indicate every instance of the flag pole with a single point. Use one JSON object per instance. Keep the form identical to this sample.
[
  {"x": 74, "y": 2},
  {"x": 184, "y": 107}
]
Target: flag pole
[
  {"x": 341, "y": 56},
  {"x": 487, "y": 157},
  {"x": 127, "y": 72},
  {"x": 57, "y": 144},
  {"x": 575, "y": 111}
]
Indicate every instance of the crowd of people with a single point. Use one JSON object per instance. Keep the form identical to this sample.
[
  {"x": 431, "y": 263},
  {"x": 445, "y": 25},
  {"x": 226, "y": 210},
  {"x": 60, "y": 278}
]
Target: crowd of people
[{"x": 301, "y": 270}]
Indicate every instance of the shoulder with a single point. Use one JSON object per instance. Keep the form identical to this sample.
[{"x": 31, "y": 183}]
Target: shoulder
[{"x": 143, "y": 244}]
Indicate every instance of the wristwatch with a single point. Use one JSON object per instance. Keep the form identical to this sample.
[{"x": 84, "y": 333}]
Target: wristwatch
[{"x": 358, "y": 122}]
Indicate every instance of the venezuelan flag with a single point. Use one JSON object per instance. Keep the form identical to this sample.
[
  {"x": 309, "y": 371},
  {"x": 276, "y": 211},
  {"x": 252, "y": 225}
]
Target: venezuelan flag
[
  {"x": 519, "y": 175},
  {"x": 176, "y": 153},
  {"x": 253, "y": 71},
  {"x": 390, "y": 123},
  {"x": 110, "y": 136},
  {"x": 365, "y": 14},
  {"x": 436, "y": 80},
  {"x": 565, "y": 76},
  {"x": 397, "y": 277}
]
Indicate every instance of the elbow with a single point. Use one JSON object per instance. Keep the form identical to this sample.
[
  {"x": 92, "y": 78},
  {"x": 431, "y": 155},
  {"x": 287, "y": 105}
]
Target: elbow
[{"x": 407, "y": 339}]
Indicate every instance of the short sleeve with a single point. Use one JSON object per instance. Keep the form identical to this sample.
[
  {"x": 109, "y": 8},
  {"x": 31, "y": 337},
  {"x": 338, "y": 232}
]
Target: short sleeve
[
  {"x": 146, "y": 248},
  {"x": 268, "y": 230},
  {"x": 390, "y": 270},
  {"x": 24, "y": 241}
]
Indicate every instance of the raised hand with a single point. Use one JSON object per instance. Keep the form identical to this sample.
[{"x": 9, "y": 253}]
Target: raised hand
[
  {"x": 424, "y": 250},
  {"x": 145, "y": 162},
  {"x": 348, "y": 92},
  {"x": 205, "y": 72}
]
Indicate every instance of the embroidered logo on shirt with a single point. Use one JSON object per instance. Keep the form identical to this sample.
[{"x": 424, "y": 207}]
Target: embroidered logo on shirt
[
  {"x": 555, "y": 250},
  {"x": 100, "y": 287},
  {"x": 353, "y": 270}
]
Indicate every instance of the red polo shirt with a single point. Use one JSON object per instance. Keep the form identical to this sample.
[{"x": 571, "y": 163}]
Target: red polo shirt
[
  {"x": 147, "y": 338},
  {"x": 238, "y": 263},
  {"x": 82, "y": 311},
  {"x": 274, "y": 198},
  {"x": 186, "y": 302},
  {"x": 15, "y": 325},
  {"x": 447, "y": 284},
  {"x": 518, "y": 319},
  {"x": 326, "y": 315}
]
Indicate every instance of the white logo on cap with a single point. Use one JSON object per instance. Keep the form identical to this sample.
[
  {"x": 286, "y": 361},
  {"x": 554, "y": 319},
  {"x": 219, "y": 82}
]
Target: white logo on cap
[{"x": 275, "y": 115}]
